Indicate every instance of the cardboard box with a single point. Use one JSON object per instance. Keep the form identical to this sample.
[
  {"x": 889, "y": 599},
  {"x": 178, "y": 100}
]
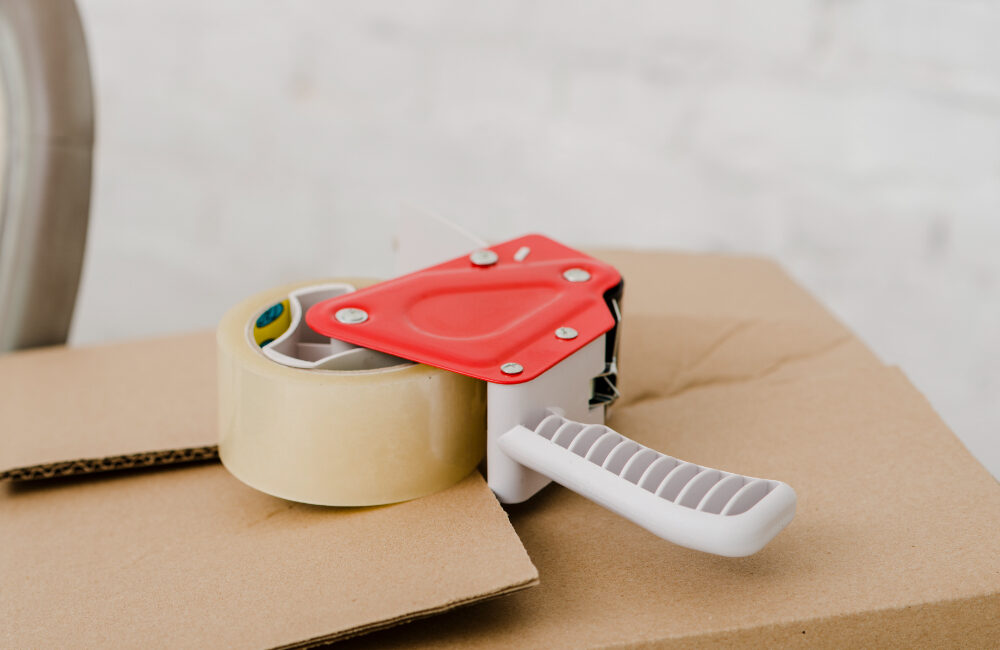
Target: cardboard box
[
  {"x": 725, "y": 362},
  {"x": 185, "y": 555}
]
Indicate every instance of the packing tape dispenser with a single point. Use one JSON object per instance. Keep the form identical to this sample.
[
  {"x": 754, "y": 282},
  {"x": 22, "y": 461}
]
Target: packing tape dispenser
[{"x": 354, "y": 393}]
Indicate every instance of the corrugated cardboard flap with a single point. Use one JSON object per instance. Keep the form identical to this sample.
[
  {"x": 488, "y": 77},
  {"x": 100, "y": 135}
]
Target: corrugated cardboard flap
[
  {"x": 188, "y": 555},
  {"x": 68, "y": 411}
]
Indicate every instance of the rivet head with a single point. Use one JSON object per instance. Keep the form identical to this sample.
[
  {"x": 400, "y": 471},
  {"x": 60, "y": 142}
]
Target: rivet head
[
  {"x": 484, "y": 257},
  {"x": 511, "y": 368},
  {"x": 576, "y": 275},
  {"x": 351, "y": 315},
  {"x": 566, "y": 333}
]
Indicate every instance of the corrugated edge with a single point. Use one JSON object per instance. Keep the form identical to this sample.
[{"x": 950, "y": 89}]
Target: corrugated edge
[
  {"x": 322, "y": 641},
  {"x": 111, "y": 463}
]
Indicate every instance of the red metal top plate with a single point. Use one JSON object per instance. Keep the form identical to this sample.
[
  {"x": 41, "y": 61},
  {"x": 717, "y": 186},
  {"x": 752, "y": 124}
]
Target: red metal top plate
[{"x": 473, "y": 319}]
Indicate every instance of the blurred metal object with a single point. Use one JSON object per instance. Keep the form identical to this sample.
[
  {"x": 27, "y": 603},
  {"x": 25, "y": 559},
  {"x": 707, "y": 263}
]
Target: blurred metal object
[{"x": 46, "y": 143}]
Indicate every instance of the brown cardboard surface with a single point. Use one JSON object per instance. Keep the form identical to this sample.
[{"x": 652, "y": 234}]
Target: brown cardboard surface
[
  {"x": 695, "y": 320},
  {"x": 725, "y": 362},
  {"x": 80, "y": 410},
  {"x": 894, "y": 518},
  {"x": 182, "y": 555},
  {"x": 191, "y": 557},
  {"x": 896, "y": 541}
]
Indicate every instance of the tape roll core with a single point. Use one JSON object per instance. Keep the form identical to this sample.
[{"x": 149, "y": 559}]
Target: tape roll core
[{"x": 341, "y": 437}]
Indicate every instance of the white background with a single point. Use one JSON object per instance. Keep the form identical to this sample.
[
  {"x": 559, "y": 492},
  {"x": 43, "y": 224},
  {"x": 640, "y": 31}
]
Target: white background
[{"x": 243, "y": 144}]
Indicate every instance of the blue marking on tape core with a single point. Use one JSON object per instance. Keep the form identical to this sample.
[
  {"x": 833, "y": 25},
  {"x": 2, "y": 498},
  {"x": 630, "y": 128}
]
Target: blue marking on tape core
[{"x": 270, "y": 315}]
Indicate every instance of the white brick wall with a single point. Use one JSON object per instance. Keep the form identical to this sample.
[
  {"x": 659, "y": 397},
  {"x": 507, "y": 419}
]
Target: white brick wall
[{"x": 247, "y": 143}]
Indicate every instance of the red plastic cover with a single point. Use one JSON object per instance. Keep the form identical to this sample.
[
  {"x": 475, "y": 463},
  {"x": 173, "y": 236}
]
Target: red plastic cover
[{"x": 473, "y": 319}]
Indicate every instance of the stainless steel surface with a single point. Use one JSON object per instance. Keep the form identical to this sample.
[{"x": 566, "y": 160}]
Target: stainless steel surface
[
  {"x": 46, "y": 149},
  {"x": 576, "y": 275},
  {"x": 484, "y": 258},
  {"x": 567, "y": 333},
  {"x": 511, "y": 368},
  {"x": 351, "y": 315}
]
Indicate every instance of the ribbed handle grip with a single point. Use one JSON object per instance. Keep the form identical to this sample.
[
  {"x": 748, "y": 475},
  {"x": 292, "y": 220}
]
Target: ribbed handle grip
[{"x": 697, "y": 507}]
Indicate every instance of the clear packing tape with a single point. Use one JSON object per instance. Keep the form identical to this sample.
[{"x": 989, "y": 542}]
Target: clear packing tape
[{"x": 340, "y": 437}]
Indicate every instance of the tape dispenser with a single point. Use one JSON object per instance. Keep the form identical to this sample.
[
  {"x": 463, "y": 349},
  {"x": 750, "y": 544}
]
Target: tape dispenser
[{"x": 360, "y": 393}]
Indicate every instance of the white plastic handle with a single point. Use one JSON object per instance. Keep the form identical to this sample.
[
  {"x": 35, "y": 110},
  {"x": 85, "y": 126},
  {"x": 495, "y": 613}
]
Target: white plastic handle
[{"x": 696, "y": 507}]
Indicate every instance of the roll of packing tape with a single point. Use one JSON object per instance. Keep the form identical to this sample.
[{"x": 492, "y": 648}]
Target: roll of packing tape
[{"x": 319, "y": 421}]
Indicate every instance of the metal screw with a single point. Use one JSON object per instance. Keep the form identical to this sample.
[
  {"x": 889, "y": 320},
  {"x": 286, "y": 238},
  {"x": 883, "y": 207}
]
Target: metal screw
[
  {"x": 484, "y": 257},
  {"x": 511, "y": 368},
  {"x": 351, "y": 315},
  {"x": 576, "y": 275},
  {"x": 566, "y": 333}
]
